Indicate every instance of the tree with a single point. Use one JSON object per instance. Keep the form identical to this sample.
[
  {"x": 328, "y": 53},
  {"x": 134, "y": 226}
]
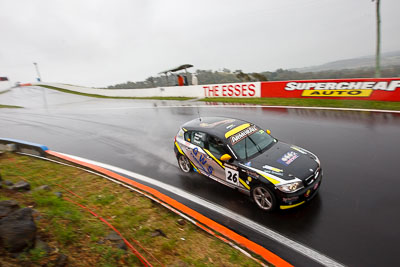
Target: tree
[
  {"x": 378, "y": 40},
  {"x": 258, "y": 77}
]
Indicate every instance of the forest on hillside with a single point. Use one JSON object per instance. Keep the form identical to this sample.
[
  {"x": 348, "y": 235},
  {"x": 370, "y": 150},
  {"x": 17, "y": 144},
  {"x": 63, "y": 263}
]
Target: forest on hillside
[{"x": 228, "y": 76}]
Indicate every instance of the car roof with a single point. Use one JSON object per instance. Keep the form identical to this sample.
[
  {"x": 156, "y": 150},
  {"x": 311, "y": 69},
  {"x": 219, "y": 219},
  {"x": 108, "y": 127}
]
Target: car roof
[{"x": 217, "y": 126}]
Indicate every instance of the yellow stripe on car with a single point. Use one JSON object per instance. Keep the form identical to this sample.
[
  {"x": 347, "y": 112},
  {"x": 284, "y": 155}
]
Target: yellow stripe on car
[
  {"x": 244, "y": 184},
  {"x": 179, "y": 149},
  {"x": 291, "y": 206},
  {"x": 272, "y": 180},
  {"x": 214, "y": 158},
  {"x": 236, "y": 130}
]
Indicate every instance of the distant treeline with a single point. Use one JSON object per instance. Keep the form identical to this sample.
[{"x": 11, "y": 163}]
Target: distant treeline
[{"x": 228, "y": 76}]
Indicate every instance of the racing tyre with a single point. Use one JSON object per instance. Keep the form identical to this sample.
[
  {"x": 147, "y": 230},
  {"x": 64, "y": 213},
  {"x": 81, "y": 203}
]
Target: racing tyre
[
  {"x": 184, "y": 163},
  {"x": 264, "y": 198}
]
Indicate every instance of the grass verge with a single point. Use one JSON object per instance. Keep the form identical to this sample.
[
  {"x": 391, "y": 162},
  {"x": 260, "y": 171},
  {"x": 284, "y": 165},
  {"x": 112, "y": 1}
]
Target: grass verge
[
  {"x": 8, "y": 106},
  {"x": 114, "y": 97},
  {"x": 82, "y": 237},
  {"x": 334, "y": 103},
  {"x": 361, "y": 104}
]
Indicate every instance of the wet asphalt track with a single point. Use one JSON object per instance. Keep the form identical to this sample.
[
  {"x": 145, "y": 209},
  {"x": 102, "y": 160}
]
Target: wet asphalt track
[{"x": 355, "y": 218}]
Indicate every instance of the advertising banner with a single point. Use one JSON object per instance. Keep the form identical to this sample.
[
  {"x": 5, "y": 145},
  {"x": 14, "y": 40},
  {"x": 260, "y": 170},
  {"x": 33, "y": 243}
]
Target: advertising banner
[
  {"x": 382, "y": 89},
  {"x": 232, "y": 90}
]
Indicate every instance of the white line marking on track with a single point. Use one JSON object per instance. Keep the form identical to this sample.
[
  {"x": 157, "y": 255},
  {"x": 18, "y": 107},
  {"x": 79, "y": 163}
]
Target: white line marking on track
[{"x": 300, "y": 248}]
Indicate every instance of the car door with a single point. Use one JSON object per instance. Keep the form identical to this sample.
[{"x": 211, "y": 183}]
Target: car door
[
  {"x": 196, "y": 154},
  {"x": 215, "y": 148}
]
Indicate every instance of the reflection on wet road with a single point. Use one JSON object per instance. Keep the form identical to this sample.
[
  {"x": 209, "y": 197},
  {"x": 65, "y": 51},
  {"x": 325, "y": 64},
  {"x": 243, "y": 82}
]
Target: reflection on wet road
[{"x": 354, "y": 219}]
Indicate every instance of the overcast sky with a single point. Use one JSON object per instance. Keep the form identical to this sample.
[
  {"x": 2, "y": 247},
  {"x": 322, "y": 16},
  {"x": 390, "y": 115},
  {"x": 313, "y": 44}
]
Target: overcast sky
[{"x": 100, "y": 43}]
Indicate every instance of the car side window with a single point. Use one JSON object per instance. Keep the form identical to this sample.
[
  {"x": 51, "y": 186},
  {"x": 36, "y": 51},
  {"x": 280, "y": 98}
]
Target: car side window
[
  {"x": 196, "y": 138},
  {"x": 216, "y": 146},
  {"x": 188, "y": 136}
]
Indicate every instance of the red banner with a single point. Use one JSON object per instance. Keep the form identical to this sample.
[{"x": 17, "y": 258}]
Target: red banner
[{"x": 382, "y": 89}]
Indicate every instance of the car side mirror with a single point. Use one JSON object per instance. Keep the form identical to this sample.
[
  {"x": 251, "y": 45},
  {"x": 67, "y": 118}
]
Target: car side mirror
[
  {"x": 225, "y": 157},
  {"x": 268, "y": 131}
]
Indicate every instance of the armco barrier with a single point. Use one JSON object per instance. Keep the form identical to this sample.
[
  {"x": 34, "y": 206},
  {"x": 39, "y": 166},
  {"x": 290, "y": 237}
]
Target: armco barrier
[
  {"x": 22, "y": 146},
  {"x": 384, "y": 89}
]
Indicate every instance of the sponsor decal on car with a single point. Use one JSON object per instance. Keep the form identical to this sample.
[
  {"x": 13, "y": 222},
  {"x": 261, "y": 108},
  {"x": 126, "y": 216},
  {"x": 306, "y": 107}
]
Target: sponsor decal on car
[
  {"x": 290, "y": 199},
  {"x": 230, "y": 126},
  {"x": 288, "y": 158},
  {"x": 252, "y": 174},
  {"x": 243, "y": 134},
  {"x": 198, "y": 138},
  {"x": 298, "y": 149},
  {"x": 272, "y": 170},
  {"x": 212, "y": 125},
  {"x": 201, "y": 160},
  {"x": 230, "y": 166}
]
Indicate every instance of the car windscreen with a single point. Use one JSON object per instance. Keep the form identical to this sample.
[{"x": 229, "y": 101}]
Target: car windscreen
[{"x": 254, "y": 143}]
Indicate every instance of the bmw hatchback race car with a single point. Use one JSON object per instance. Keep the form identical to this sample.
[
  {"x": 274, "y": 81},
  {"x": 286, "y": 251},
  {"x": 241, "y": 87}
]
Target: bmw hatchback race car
[{"x": 243, "y": 156}]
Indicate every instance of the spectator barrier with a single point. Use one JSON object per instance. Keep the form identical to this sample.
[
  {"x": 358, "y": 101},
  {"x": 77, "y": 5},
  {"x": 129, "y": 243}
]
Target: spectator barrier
[{"x": 382, "y": 89}]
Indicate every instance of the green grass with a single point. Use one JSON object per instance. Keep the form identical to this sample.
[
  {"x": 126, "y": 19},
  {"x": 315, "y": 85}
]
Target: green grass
[
  {"x": 115, "y": 97},
  {"x": 8, "y": 106},
  {"x": 36, "y": 254},
  {"x": 5, "y": 91},
  {"x": 81, "y": 236},
  {"x": 357, "y": 104}
]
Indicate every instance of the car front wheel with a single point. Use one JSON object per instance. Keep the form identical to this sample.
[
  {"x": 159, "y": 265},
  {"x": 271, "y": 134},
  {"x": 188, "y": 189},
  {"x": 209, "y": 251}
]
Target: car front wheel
[
  {"x": 184, "y": 163},
  {"x": 264, "y": 198}
]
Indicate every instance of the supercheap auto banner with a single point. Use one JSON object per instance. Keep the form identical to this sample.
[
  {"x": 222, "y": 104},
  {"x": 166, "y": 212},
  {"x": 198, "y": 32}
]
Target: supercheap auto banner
[{"x": 382, "y": 89}]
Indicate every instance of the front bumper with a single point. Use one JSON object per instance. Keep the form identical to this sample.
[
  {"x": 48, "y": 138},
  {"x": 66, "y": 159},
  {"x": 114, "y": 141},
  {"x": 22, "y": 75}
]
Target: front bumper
[{"x": 291, "y": 200}]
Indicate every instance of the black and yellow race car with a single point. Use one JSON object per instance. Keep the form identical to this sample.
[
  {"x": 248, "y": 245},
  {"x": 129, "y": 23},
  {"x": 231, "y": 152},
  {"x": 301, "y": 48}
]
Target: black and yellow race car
[{"x": 243, "y": 156}]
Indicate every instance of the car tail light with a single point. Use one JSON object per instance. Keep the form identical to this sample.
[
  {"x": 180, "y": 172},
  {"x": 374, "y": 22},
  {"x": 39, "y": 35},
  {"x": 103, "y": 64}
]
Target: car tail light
[{"x": 175, "y": 139}]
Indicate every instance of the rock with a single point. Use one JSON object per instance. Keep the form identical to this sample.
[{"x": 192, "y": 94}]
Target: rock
[
  {"x": 8, "y": 183},
  {"x": 11, "y": 147},
  {"x": 61, "y": 261},
  {"x": 39, "y": 244},
  {"x": 21, "y": 186},
  {"x": 36, "y": 215},
  {"x": 121, "y": 245},
  {"x": 113, "y": 236},
  {"x": 42, "y": 187},
  {"x": 7, "y": 206},
  {"x": 158, "y": 232},
  {"x": 58, "y": 194},
  {"x": 181, "y": 222},
  {"x": 18, "y": 230}
]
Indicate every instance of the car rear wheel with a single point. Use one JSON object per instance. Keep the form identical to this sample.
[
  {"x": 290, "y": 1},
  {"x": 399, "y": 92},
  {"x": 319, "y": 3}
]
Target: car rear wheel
[
  {"x": 264, "y": 198},
  {"x": 184, "y": 163}
]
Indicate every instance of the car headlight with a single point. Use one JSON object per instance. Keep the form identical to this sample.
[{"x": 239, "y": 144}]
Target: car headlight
[{"x": 291, "y": 187}]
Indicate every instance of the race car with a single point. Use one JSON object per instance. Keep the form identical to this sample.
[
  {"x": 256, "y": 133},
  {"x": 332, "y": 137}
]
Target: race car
[{"x": 243, "y": 156}]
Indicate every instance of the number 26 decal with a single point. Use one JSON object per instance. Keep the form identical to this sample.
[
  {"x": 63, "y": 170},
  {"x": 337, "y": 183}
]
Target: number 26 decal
[{"x": 232, "y": 176}]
